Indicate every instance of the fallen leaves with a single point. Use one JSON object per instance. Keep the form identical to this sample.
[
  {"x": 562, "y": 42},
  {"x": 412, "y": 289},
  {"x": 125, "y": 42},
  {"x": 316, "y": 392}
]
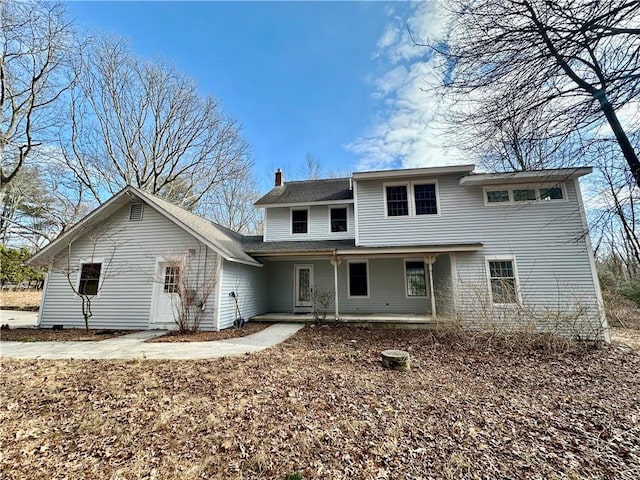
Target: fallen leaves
[{"x": 322, "y": 404}]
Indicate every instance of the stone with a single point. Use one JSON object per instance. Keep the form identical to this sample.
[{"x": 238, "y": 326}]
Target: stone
[{"x": 396, "y": 360}]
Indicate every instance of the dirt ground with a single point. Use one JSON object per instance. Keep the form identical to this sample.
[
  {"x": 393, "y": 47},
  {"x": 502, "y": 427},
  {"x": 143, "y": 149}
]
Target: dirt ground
[
  {"x": 65, "y": 335},
  {"x": 321, "y": 404},
  {"x": 20, "y": 299},
  {"x": 248, "y": 329}
]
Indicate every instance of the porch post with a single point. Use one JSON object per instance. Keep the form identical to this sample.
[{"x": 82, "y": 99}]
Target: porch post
[
  {"x": 335, "y": 261},
  {"x": 429, "y": 260}
]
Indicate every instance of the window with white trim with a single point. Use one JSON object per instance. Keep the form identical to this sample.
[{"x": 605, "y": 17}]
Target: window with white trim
[
  {"x": 358, "y": 279},
  {"x": 425, "y": 198},
  {"x": 338, "y": 219},
  {"x": 497, "y": 195},
  {"x": 397, "y": 200},
  {"x": 503, "y": 282},
  {"x": 89, "y": 281},
  {"x": 416, "y": 279},
  {"x": 299, "y": 221}
]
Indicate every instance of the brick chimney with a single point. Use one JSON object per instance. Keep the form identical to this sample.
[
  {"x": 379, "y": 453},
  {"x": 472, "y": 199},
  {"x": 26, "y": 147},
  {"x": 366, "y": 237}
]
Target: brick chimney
[{"x": 279, "y": 178}]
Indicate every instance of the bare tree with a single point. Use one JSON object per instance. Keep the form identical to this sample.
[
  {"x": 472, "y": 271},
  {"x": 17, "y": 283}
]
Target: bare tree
[
  {"x": 34, "y": 62},
  {"x": 87, "y": 277},
  {"x": 190, "y": 289},
  {"x": 145, "y": 124},
  {"x": 567, "y": 67}
]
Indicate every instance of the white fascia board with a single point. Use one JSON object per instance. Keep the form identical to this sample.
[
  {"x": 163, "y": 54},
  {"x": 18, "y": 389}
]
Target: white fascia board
[
  {"x": 410, "y": 172},
  {"x": 551, "y": 175},
  {"x": 411, "y": 250},
  {"x": 304, "y": 204}
]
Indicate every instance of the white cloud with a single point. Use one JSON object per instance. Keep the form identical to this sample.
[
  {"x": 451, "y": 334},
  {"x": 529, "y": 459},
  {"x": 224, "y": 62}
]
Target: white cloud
[{"x": 407, "y": 132}]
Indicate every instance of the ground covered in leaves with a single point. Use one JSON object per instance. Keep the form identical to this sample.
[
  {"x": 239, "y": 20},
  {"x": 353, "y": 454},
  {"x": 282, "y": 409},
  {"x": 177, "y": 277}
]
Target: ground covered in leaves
[
  {"x": 20, "y": 299},
  {"x": 64, "y": 335},
  {"x": 321, "y": 404},
  {"x": 248, "y": 329}
]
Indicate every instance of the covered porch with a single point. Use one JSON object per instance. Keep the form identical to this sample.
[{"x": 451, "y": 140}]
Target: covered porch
[{"x": 412, "y": 286}]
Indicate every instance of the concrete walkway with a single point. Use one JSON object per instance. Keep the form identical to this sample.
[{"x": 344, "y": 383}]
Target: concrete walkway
[
  {"x": 18, "y": 319},
  {"x": 133, "y": 346}
]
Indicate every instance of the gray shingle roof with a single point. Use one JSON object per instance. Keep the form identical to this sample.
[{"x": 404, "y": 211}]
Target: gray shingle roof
[
  {"x": 307, "y": 191},
  {"x": 228, "y": 242}
]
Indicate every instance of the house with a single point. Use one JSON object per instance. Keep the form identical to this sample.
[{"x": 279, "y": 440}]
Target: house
[{"x": 488, "y": 250}]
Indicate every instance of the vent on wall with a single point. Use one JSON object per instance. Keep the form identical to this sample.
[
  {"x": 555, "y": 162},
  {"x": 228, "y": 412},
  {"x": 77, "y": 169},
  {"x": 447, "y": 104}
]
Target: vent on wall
[{"x": 135, "y": 212}]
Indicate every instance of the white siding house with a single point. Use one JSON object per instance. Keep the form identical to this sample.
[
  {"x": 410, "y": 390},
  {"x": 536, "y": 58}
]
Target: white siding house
[{"x": 506, "y": 250}]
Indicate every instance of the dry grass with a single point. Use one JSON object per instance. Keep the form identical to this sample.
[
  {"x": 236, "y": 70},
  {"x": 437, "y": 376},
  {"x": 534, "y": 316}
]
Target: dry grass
[
  {"x": 248, "y": 329},
  {"x": 20, "y": 299},
  {"x": 621, "y": 312},
  {"x": 321, "y": 404},
  {"x": 66, "y": 335}
]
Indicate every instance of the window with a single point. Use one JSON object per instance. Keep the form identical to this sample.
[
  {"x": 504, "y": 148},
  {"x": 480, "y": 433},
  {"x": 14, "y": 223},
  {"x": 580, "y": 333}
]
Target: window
[
  {"x": 416, "y": 280},
  {"x": 524, "y": 195},
  {"x": 503, "y": 281},
  {"x": 135, "y": 212},
  {"x": 425, "y": 198},
  {"x": 171, "y": 279},
  {"x": 299, "y": 221},
  {"x": 397, "y": 201},
  {"x": 554, "y": 193},
  {"x": 338, "y": 219},
  {"x": 89, "y": 278},
  {"x": 497, "y": 196},
  {"x": 358, "y": 281}
]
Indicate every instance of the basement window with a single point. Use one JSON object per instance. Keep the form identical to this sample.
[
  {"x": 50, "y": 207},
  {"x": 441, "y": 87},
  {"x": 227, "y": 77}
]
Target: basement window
[{"x": 135, "y": 212}]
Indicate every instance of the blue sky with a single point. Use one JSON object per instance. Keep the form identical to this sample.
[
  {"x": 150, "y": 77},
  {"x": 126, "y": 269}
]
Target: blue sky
[{"x": 301, "y": 77}]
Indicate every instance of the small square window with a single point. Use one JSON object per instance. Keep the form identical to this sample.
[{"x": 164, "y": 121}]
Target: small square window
[
  {"x": 524, "y": 195},
  {"x": 338, "y": 219},
  {"x": 553, "y": 193},
  {"x": 89, "y": 278},
  {"x": 299, "y": 221},
  {"x": 397, "y": 201},
  {"x": 425, "y": 198},
  {"x": 497, "y": 196}
]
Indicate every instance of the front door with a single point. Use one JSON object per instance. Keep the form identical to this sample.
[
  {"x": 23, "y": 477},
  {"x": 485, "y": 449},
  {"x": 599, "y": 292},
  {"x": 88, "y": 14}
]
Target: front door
[
  {"x": 303, "y": 286},
  {"x": 166, "y": 295}
]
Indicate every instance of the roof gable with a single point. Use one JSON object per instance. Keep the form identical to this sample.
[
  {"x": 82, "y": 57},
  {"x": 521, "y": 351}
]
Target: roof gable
[{"x": 219, "y": 240}]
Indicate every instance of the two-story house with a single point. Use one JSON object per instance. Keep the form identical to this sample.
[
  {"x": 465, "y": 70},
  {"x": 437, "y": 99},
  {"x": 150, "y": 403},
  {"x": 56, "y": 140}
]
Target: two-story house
[{"x": 506, "y": 250}]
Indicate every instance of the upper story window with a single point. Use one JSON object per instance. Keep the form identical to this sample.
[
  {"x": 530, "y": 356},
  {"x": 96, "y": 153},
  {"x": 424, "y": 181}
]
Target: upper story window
[
  {"x": 89, "y": 278},
  {"x": 397, "y": 201},
  {"x": 338, "y": 219},
  {"x": 426, "y": 199},
  {"x": 523, "y": 194},
  {"x": 299, "y": 221},
  {"x": 412, "y": 199}
]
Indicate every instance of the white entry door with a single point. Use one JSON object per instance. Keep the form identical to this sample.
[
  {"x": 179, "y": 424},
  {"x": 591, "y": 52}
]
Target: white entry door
[
  {"x": 166, "y": 295},
  {"x": 303, "y": 286}
]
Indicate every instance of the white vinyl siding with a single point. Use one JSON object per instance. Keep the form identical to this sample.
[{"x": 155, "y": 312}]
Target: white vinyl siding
[
  {"x": 278, "y": 224},
  {"x": 249, "y": 284},
  {"x": 129, "y": 258},
  {"x": 546, "y": 237}
]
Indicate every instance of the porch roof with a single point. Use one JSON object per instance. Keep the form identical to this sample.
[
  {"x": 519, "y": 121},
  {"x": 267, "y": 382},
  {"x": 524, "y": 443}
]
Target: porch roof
[{"x": 256, "y": 247}]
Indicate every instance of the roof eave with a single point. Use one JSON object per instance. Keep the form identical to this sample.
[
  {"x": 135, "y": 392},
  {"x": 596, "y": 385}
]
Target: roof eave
[
  {"x": 550, "y": 175},
  {"x": 408, "y": 172}
]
